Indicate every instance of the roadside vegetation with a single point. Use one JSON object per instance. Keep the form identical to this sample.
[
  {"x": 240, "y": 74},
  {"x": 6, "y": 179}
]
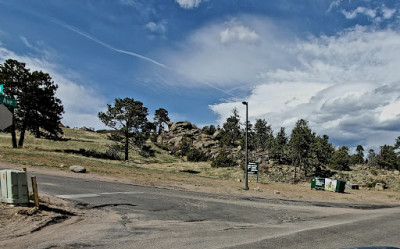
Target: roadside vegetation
[{"x": 136, "y": 145}]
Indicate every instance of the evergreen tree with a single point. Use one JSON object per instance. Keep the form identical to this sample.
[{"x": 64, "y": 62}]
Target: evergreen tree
[
  {"x": 324, "y": 150},
  {"x": 341, "y": 159},
  {"x": 387, "y": 158},
  {"x": 263, "y": 137},
  {"x": 161, "y": 118},
  {"x": 279, "y": 147},
  {"x": 300, "y": 144},
  {"x": 37, "y": 107},
  {"x": 129, "y": 117},
  {"x": 231, "y": 130},
  {"x": 360, "y": 154}
]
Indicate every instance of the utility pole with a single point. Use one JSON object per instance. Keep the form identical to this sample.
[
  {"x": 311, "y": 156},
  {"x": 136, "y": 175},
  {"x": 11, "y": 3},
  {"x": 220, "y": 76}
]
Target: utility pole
[{"x": 246, "y": 173}]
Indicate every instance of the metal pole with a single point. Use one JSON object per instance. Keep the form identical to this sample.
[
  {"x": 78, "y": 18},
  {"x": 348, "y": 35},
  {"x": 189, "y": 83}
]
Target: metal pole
[{"x": 246, "y": 173}]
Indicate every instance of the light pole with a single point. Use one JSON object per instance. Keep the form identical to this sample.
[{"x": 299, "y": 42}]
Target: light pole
[{"x": 246, "y": 173}]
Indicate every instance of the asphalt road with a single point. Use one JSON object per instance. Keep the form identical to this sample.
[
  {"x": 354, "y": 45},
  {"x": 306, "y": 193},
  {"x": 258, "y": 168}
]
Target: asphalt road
[{"x": 164, "y": 218}]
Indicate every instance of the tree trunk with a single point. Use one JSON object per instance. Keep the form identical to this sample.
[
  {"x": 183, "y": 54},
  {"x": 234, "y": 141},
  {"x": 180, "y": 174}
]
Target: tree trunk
[
  {"x": 13, "y": 133},
  {"x": 37, "y": 132},
  {"x": 22, "y": 135},
  {"x": 126, "y": 146}
]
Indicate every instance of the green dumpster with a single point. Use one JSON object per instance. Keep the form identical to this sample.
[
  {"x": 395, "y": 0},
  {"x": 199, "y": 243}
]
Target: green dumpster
[
  {"x": 340, "y": 186},
  {"x": 318, "y": 183}
]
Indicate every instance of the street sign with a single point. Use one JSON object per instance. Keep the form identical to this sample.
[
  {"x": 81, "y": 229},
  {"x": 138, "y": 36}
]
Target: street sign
[
  {"x": 7, "y": 101},
  {"x": 252, "y": 168},
  {"x": 5, "y": 117},
  {"x": 1, "y": 88}
]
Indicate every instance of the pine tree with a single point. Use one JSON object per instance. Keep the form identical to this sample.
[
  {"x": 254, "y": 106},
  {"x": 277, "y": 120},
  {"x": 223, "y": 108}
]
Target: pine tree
[
  {"x": 129, "y": 117},
  {"x": 37, "y": 107},
  {"x": 231, "y": 130}
]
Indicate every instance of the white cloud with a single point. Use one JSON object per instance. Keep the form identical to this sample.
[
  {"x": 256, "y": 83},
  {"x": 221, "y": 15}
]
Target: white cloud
[
  {"x": 231, "y": 53},
  {"x": 81, "y": 103},
  {"x": 346, "y": 85},
  {"x": 360, "y": 10},
  {"x": 377, "y": 14},
  {"x": 159, "y": 27},
  {"x": 334, "y": 4},
  {"x": 189, "y": 4},
  {"x": 239, "y": 33},
  {"x": 388, "y": 13}
]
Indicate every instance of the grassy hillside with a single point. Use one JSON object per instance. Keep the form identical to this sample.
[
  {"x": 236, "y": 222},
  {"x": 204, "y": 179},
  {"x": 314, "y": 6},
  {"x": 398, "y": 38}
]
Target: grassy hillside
[{"x": 85, "y": 148}]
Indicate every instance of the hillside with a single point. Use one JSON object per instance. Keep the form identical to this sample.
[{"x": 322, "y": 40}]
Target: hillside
[{"x": 89, "y": 149}]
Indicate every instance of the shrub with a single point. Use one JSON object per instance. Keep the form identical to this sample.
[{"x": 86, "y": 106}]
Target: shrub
[
  {"x": 147, "y": 151},
  {"x": 223, "y": 159},
  {"x": 196, "y": 155}
]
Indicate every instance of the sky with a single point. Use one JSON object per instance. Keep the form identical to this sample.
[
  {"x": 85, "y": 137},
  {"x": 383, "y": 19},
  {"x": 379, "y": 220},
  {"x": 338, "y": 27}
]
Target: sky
[{"x": 334, "y": 63}]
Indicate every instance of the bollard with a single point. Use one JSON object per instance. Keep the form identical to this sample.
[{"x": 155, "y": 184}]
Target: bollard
[{"x": 35, "y": 192}]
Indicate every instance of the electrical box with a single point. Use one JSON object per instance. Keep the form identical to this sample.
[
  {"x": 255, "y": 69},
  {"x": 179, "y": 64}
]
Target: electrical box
[{"x": 13, "y": 186}]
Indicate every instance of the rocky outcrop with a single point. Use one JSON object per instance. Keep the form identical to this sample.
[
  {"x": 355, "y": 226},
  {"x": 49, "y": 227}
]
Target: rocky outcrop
[{"x": 177, "y": 131}]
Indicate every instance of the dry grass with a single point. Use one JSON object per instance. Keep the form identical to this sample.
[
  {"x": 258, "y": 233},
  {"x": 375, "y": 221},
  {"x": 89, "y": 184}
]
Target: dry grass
[
  {"x": 162, "y": 170},
  {"x": 54, "y": 154}
]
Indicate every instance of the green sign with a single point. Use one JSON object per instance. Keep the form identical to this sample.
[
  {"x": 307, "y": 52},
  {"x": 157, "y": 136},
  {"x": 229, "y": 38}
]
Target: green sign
[
  {"x": 1, "y": 88},
  {"x": 252, "y": 168},
  {"x": 7, "y": 101}
]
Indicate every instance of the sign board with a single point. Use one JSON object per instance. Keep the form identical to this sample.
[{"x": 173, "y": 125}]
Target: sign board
[
  {"x": 1, "y": 88},
  {"x": 5, "y": 117},
  {"x": 330, "y": 184},
  {"x": 7, "y": 101},
  {"x": 252, "y": 168}
]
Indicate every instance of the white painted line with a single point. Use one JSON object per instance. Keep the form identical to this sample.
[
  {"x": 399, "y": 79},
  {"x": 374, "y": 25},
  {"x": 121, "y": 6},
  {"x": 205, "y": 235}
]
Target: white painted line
[{"x": 79, "y": 196}]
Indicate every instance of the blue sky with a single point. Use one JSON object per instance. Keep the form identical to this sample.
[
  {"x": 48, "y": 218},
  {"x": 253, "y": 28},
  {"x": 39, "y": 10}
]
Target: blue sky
[{"x": 334, "y": 63}]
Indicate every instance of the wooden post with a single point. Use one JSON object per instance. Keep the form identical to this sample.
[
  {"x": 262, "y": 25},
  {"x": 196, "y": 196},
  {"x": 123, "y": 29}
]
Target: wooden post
[{"x": 35, "y": 192}]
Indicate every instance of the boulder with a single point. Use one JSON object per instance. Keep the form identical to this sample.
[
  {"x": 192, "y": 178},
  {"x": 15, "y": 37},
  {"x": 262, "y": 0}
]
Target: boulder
[
  {"x": 182, "y": 125},
  {"x": 209, "y": 144},
  {"x": 216, "y": 134},
  {"x": 77, "y": 169},
  {"x": 380, "y": 186}
]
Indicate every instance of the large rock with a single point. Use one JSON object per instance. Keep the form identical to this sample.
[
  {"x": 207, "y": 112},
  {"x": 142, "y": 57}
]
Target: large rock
[
  {"x": 175, "y": 141},
  {"x": 77, "y": 169},
  {"x": 380, "y": 186},
  {"x": 182, "y": 125}
]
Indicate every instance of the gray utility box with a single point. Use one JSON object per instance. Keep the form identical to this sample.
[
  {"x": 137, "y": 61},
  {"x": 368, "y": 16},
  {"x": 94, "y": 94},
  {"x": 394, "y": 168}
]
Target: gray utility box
[{"x": 13, "y": 186}]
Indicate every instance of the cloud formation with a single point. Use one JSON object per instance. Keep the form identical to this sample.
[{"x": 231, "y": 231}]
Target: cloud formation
[
  {"x": 346, "y": 85},
  {"x": 239, "y": 33},
  {"x": 157, "y": 27},
  {"x": 189, "y": 4},
  {"x": 230, "y": 54},
  {"x": 376, "y": 14}
]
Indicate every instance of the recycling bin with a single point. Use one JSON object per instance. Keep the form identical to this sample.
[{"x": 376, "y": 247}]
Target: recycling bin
[{"x": 318, "y": 183}]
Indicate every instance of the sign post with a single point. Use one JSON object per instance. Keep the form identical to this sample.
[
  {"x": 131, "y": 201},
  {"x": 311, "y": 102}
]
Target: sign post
[{"x": 252, "y": 168}]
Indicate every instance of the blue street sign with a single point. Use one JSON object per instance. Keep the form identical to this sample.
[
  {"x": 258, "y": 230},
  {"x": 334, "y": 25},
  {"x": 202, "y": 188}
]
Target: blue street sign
[{"x": 1, "y": 88}]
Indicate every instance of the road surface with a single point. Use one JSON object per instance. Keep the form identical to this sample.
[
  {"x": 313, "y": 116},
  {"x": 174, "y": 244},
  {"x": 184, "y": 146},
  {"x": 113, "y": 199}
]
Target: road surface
[{"x": 130, "y": 216}]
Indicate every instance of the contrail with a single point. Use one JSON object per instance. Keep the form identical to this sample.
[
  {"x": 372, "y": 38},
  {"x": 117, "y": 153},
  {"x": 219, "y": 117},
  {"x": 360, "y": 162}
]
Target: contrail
[{"x": 76, "y": 30}]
